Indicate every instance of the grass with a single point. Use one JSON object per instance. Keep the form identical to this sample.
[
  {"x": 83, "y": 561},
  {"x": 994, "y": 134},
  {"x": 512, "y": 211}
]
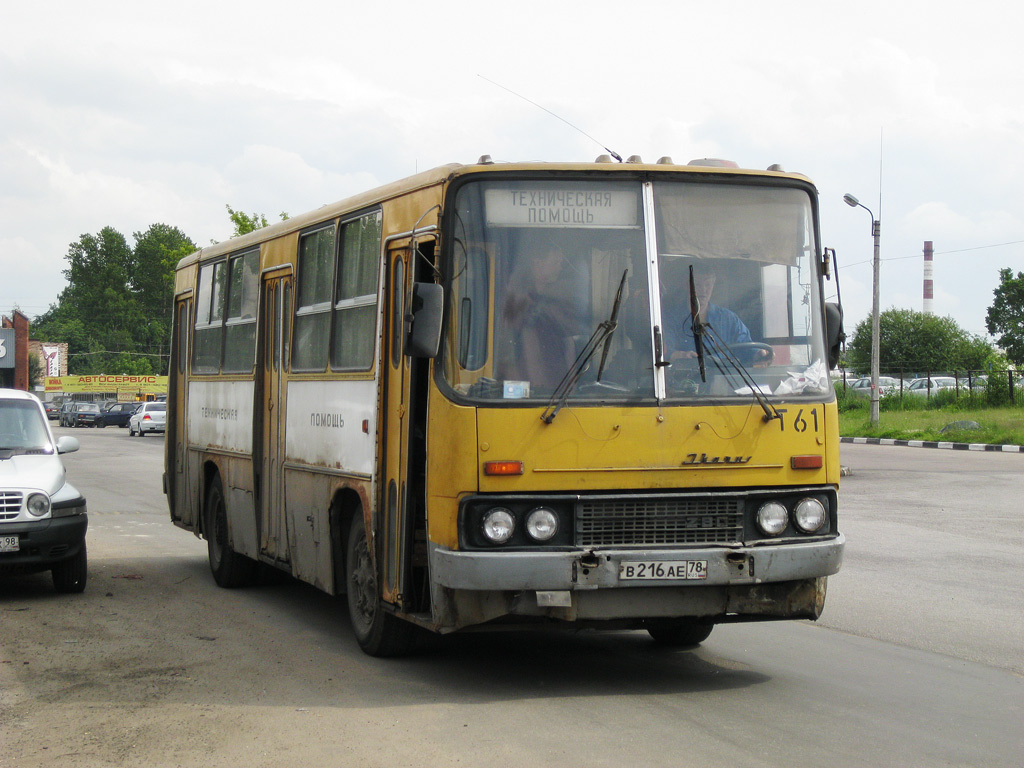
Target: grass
[{"x": 903, "y": 421}]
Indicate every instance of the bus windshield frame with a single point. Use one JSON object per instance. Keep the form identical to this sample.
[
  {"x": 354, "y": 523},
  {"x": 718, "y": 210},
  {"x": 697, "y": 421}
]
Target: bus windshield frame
[{"x": 604, "y": 281}]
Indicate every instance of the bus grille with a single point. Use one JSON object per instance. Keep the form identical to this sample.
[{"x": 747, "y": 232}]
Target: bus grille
[
  {"x": 10, "y": 504},
  {"x": 641, "y": 522}
]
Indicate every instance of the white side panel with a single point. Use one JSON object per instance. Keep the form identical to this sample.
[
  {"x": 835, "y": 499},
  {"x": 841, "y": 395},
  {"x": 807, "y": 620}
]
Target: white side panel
[
  {"x": 220, "y": 414},
  {"x": 325, "y": 424}
]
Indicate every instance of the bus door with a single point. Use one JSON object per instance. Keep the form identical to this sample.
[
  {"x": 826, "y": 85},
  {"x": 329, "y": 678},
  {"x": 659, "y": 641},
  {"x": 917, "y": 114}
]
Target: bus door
[
  {"x": 391, "y": 523},
  {"x": 269, "y": 437},
  {"x": 182, "y": 508}
]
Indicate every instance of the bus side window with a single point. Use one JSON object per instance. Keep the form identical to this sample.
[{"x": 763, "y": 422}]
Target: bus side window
[
  {"x": 240, "y": 327},
  {"x": 355, "y": 303},
  {"x": 209, "y": 318},
  {"x": 313, "y": 308}
]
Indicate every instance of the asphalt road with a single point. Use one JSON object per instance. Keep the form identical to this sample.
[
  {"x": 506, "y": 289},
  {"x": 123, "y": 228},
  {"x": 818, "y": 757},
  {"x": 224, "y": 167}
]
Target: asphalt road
[{"x": 917, "y": 661}]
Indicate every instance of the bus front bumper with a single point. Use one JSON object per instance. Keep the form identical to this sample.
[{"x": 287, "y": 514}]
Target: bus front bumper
[{"x": 720, "y": 583}]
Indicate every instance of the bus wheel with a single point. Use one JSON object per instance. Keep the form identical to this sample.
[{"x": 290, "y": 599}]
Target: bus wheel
[
  {"x": 378, "y": 632},
  {"x": 229, "y": 568},
  {"x": 679, "y": 634}
]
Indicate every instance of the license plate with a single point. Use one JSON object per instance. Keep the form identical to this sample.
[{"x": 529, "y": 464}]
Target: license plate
[
  {"x": 663, "y": 569},
  {"x": 9, "y": 544}
]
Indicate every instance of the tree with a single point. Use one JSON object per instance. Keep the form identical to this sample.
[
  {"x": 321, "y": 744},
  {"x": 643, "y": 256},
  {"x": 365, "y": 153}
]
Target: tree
[
  {"x": 115, "y": 312},
  {"x": 35, "y": 370},
  {"x": 246, "y": 223},
  {"x": 915, "y": 342},
  {"x": 155, "y": 256},
  {"x": 1005, "y": 318}
]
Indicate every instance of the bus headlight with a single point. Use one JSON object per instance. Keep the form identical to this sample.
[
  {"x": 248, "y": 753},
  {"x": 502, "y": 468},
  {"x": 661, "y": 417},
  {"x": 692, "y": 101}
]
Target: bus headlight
[
  {"x": 38, "y": 504},
  {"x": 499, "y": 525},
  {"x": 541, "y": 524},
  {"x": 772, "y": 518},
  {"x": 809, "y": 515}
]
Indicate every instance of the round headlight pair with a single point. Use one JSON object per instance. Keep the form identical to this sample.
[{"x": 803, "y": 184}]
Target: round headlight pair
[
  {"x": 809, "y": 516},
  {"x": 499, "y": 524},
  {"x": 38, "y": 504}
]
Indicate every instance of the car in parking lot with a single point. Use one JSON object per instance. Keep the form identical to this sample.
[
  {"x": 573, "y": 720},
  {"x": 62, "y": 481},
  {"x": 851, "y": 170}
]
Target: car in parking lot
[
  {"x": 973, "y": 383},
  {"x": 886, "y": 384},
  {"x": 149, "y": 417},
  {"x": 65, "y": 412},
  {"x": 83, "y": 415},
  {"x": 43, "y": 518},
  {"x": 117, "y": 415},
  {"x": 927, "y": 387}
]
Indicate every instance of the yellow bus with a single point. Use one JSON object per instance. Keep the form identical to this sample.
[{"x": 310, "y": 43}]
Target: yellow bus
[{"x": 507, "y": 395}]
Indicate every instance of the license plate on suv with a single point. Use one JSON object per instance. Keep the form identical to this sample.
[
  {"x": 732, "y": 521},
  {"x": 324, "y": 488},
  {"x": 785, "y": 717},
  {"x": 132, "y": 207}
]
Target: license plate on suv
[{"x": 9, "y": 544}]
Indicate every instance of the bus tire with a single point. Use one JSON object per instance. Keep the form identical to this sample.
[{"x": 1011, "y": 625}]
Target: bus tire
[
  {"x": 378, "y": 632},
  {"x": 679, "y": 634},
  {"x": 229, "y": 568},
  {"x": 69, "y": 576}
]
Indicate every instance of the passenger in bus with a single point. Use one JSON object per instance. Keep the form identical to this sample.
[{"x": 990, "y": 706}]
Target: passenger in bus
[
  {"x": 538, "y": 322},
  {"x": 677, "y": 317}
]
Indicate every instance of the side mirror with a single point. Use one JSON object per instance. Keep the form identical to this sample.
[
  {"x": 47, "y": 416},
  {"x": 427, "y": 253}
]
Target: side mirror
[
  {"x": 67, "y": 444},
  {"x": 427, "y": 309},
  {"x": 834, "y": 334}
]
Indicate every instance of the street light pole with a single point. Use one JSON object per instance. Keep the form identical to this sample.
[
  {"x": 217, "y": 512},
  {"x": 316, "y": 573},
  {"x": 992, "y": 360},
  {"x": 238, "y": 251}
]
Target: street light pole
[{"x": 876, "y": 233}]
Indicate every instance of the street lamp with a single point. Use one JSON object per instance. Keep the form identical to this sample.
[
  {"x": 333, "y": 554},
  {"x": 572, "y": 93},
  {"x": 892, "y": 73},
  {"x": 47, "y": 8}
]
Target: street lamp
[{"x": 876, "y": 233}]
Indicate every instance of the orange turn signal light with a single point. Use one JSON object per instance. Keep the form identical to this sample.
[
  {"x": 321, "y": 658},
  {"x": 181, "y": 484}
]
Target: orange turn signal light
[
  {"x": 813, "y": 461},
  {"x": 503, "y": 467}
]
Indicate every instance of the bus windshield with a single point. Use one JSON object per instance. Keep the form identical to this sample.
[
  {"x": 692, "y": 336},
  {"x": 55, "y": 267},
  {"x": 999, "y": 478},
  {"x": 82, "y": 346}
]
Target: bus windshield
[{"x": 662, "y": 290}]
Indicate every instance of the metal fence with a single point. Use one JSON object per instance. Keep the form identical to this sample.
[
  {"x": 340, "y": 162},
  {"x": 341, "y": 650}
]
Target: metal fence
[{"x": 987, "y": 387}]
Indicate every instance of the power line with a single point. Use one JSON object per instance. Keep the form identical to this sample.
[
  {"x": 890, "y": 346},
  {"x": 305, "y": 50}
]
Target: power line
[{"x": 936, "y": 253}]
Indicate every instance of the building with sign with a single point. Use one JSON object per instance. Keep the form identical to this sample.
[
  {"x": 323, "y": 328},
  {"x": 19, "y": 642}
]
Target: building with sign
[{"x": 14, "y": 351}]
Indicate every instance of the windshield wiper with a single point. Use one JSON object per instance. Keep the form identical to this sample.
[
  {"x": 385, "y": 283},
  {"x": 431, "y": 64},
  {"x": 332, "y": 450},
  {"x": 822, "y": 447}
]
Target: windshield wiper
[
  {"x": 613, "y": 319},
  {"x": 723, "y": 352},
  {"x": 698, "y": 327},
  {"x": 601, "y": 336}
]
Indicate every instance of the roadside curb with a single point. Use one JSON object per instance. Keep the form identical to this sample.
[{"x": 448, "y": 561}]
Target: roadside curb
[{"x": 934, "y": 444}]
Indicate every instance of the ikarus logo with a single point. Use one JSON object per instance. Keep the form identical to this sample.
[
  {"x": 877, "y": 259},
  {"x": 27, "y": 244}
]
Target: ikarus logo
[{"x": 703, "y": 459}]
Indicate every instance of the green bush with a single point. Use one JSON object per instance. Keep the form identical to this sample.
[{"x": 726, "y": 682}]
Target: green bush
[
  {"x": 847, "y": 401},
  {"x": 997, "y": 391}
]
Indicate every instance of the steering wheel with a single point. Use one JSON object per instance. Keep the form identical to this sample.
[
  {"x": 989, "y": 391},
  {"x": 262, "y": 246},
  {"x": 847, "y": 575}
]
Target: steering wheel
[{"x": 745, "y": 352}]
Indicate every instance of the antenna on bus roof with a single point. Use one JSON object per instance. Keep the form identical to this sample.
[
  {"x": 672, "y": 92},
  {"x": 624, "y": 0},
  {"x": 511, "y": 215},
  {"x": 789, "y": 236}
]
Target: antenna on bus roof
[{"x": 611, "y": 152}]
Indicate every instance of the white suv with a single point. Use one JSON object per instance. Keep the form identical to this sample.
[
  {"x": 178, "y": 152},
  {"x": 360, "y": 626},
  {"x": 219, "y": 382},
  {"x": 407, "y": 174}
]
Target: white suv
[{"x": 42, "y": 517}]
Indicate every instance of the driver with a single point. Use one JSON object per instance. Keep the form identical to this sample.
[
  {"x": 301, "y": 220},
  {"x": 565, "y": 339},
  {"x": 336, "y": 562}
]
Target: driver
[
  {"x": 539, "y": 319},
  {"x": 678, "y": 332}
]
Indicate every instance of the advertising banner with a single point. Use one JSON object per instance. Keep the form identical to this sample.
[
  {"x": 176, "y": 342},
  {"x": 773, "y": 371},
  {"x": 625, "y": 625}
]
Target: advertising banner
[
  {"x": 151, "y": 385},
  {"x": 52, "y": 357}
]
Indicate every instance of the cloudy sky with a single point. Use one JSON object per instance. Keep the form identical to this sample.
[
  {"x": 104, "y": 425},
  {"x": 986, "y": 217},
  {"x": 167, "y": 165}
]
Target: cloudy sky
[{"x": 126, "y": 114}]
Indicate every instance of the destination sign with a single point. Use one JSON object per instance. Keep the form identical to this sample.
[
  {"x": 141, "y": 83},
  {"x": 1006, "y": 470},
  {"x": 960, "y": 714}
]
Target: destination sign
[{"x": 568, "y": 206}]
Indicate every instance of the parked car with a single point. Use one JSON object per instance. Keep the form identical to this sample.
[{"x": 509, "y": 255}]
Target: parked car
[
  {"x": 63, "y": 418},
  {"x": 52, "y": 409},
  {"x": 974, "y": 383},
  {"x": 117, "y": 415},
  {"x": 886, "y": 384},
  {"x": 83, "y": 415},
  {"x": 42, "y": 517},
  {"x": 149, "y": 417},
  {"x": 925, "y": 387}
]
